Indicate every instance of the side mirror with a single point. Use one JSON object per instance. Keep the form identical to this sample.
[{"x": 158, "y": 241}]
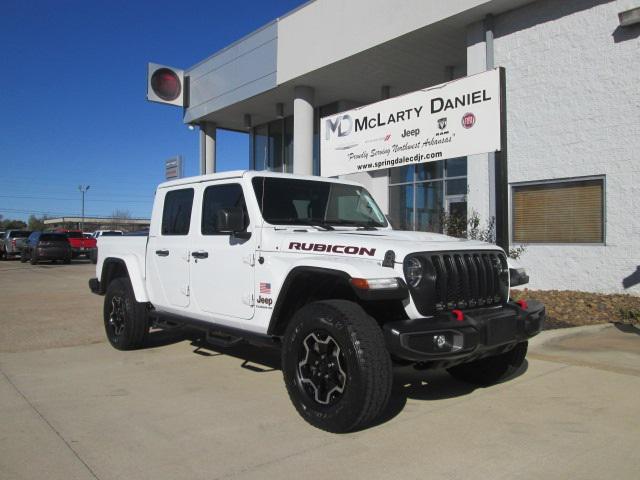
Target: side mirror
[{"x": 231, "y": 220}]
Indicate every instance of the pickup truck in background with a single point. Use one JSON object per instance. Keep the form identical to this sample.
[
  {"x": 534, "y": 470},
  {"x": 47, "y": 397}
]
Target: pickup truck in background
[
  {"x": 12, "y": 243},
  {"x": 312, "y": 266},
  {"x": 80, "y": 245}
]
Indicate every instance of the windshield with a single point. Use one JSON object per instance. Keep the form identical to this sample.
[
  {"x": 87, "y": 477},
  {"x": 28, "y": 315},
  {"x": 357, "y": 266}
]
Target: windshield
[{"x": 286, "y": 201}]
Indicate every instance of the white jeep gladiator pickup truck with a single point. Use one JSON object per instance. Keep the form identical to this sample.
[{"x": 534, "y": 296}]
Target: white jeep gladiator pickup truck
[{"x": 312, "y": 265}]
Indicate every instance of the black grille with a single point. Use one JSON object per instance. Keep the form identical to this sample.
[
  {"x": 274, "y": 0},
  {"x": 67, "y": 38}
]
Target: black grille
[{"x": 461, "y": 280}]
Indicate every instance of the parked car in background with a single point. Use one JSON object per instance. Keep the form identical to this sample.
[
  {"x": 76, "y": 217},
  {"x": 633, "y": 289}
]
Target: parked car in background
[
  {"x": 79, "y": 244},
  {"x": 107, "y": 233},
  {"x": 12, "y": 243},
  {"x": 46, "y": 246},
  {"x": 1, "y": 243}
]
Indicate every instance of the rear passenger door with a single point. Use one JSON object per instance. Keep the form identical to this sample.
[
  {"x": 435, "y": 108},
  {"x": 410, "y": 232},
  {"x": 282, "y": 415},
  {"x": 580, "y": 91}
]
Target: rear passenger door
[{"x": 168, "y": 250}]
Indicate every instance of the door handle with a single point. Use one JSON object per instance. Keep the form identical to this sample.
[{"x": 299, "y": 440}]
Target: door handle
[
  {"x": 201, "y": 254},
  {"x": 162, "y": 253}
]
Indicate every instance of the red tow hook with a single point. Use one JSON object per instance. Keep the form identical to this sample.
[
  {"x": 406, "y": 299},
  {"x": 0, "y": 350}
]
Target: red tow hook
[
  {"x": 523, "y": 304},
  {"x": 458, "y": 314}
]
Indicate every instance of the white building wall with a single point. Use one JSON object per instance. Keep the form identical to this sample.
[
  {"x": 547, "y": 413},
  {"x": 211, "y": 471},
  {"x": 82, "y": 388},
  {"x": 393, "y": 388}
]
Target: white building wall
[{"x": 573, "y": 99}]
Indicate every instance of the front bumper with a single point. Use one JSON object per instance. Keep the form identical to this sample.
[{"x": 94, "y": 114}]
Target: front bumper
[{"x": 448, "y": 339}]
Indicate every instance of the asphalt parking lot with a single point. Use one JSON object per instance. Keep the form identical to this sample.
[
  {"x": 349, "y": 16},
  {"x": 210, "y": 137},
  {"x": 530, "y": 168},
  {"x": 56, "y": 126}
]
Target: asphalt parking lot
[{"x": 71, "y": 407}]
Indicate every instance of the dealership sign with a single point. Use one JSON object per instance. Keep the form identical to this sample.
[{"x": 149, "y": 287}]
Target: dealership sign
[{"x": 450, "y": 120}]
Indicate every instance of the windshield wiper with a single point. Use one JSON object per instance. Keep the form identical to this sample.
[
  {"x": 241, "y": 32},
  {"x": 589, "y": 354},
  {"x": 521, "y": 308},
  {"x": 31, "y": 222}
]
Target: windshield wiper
[
  {"x": 301, "y": 221},
  {"x": 358, "y": 225}
]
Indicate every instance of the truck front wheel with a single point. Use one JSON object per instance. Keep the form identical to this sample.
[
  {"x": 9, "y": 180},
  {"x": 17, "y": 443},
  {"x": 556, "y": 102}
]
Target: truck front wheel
[
  {"x": 490, "y": 370},
  {"x": 336, "y": 367},
  {"x": 125, "y": 320}
]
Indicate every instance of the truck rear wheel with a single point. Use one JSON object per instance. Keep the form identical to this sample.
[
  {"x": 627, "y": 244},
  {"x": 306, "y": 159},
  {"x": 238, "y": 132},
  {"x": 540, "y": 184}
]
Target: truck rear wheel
[
  {"x": 126, "y": 321},
  {"x": 490, "y": 370},
  {"x": 336, "y": 367}
]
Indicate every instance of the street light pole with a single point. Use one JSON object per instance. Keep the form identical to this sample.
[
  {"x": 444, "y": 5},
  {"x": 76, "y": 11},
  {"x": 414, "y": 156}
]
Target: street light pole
[{"x": 83, "y": 189}]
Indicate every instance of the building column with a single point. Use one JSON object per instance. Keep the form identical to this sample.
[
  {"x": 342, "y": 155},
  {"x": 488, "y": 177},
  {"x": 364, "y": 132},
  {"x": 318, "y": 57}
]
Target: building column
[
  {"x": 207, "y": 147},
  {"x": 303, "y": 131},
  {"x": 480, "y": 171}
]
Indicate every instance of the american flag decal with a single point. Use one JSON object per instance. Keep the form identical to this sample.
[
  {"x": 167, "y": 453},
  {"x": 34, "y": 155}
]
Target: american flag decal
[{"x": 265, "y": 288}]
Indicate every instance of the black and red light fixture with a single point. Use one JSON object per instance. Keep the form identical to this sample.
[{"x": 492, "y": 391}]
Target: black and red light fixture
[{"x": 165, "y": 85}]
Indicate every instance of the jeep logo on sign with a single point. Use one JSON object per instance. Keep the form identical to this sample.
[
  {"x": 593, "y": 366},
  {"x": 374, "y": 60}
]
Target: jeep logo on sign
[{"x": 341, "y": 126}]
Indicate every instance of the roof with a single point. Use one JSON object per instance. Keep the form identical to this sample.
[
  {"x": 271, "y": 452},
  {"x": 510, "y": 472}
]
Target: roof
[
  {"x": 248, "y": 174},
  {"x": 123, "y": 221}
]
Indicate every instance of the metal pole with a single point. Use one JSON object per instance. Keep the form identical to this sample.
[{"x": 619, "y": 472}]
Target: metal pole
[
  {"x": 83, "y": 189},
  {"x": 502, "y": 174}
]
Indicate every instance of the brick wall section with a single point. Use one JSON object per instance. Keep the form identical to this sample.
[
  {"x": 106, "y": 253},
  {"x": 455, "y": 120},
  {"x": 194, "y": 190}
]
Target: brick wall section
[{"x": 573, "y": 96}]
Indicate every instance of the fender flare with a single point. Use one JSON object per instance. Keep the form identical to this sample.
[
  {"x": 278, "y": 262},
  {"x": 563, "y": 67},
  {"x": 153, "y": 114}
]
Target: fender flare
[
  {"x": 133, "y": 272},
  {"x": 286, "y": 285}
]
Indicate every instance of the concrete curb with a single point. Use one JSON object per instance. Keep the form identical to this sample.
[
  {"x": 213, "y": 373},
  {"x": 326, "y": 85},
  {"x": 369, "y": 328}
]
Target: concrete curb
[{"x": 552, "y": 336}]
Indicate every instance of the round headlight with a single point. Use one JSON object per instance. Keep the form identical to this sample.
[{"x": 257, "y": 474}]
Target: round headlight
[{"x": 413, "y": 271}]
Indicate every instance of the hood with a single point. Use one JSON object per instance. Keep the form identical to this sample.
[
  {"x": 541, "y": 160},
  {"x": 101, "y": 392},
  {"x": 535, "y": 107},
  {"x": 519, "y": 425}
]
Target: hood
[{"x": 364, "y": 244}]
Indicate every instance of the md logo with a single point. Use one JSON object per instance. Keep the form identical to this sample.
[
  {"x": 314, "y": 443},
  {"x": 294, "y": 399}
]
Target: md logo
[{"x": 340, "y": 126}]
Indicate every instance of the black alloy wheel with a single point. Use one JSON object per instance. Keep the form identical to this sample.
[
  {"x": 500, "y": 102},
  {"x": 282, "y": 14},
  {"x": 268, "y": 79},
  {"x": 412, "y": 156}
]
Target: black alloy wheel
[
  {"x": 336, "y": 367},
  {"x": 126, "y": 321},
  {"x": 322, "y": 368}
]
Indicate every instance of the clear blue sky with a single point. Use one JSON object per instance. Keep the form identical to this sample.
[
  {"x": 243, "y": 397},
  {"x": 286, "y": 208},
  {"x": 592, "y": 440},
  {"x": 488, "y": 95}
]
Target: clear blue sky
[{"x": 72, "y": 98}]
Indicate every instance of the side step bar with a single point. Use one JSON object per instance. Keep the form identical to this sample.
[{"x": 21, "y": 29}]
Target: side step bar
[{"x": 215, "y": 334}]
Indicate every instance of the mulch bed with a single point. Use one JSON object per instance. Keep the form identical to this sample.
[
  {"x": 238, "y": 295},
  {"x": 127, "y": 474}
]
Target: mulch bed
[{"x": 566, "y": 308}]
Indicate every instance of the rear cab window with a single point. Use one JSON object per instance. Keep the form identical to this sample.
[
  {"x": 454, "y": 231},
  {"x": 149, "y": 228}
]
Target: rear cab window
[{"x": 176, "y": 213}]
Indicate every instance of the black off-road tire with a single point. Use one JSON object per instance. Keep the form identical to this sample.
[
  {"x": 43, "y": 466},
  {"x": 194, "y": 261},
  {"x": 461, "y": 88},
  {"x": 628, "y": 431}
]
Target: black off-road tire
[
  {"x": 34, "y": 259},
  {"x": 369, "y": 375},
  {"x": 490, "y": 370},
  {"x": 67, "y": 260},
  {"x": 23, "y": 258},
  {"x": 127, "y": 326}
]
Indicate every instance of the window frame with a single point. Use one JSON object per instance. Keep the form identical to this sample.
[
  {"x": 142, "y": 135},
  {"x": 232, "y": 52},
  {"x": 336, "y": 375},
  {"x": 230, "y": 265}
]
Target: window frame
[
  {"x": 164, "y": 204},
  {"x": 202, "y": 209},
  {"x": 528, "y": 183}
]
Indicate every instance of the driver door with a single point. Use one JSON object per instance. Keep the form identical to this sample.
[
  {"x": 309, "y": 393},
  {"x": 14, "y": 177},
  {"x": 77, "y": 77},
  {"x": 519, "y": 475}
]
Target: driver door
[{"x": 222, "y": 267}]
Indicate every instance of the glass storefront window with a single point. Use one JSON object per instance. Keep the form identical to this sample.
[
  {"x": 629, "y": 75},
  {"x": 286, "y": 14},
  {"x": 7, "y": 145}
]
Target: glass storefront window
[
  {"x": 429, "y": 171},
  {"x": 260, "y": 147},
  {"x": 401, "y": 174},
  {"x": 401, "y": 207},
  {"x": 276, "y": 150},
  {"x": 429, "y": 206},
  {"x": 457, "y": 167},
  {"x": 419, "y": 195},
  {"x": 457, "y": 186}
]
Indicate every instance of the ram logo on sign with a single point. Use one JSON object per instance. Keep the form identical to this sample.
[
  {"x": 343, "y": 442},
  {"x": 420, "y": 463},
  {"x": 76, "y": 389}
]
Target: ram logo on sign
[{"x": 454, "y": 119}]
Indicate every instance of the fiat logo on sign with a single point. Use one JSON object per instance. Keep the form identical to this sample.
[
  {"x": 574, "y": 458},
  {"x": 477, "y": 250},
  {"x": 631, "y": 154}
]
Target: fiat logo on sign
[{"x": 468, "y": 120}]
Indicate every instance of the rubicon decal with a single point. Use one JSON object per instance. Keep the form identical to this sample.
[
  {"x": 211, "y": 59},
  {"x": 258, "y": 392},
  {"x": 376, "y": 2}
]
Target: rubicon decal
[{"x": 327, "y": 248}]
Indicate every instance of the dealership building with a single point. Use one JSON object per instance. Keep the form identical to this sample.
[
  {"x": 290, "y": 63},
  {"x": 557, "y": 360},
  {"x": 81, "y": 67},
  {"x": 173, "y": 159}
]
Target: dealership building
[{"x": 565, "y": 184}]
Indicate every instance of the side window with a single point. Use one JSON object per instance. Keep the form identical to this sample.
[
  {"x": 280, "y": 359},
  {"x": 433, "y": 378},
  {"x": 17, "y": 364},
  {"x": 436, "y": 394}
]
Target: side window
[
  {"x": 176, "y": 215},
  {"x": 217, "y": 197}
]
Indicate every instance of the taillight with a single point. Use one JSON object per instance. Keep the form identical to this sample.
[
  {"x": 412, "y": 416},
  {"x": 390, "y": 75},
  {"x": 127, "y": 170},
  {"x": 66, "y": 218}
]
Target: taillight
[{"x": 13, "y": 242}]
